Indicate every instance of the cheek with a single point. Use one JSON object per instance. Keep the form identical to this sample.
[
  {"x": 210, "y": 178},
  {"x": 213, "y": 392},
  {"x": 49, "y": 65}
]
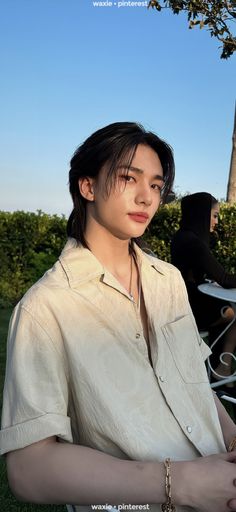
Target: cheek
[
  {"x": 112, "y": 210},
  {"x": 156, "y": 202}
]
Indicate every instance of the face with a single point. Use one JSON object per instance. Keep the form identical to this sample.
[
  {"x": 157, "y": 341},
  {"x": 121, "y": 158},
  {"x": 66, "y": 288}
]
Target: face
[
  {"x": 134, "y": 199},
  {"x": 214, "y": 217}
]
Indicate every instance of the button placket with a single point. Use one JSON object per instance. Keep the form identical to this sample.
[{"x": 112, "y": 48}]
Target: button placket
[
  {"x": 139, "y": 334},
  {"x": 139, "y": 329}
]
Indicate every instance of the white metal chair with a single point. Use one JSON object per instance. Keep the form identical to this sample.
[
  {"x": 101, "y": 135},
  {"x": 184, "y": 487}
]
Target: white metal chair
[{"x": 214, "y": 385}]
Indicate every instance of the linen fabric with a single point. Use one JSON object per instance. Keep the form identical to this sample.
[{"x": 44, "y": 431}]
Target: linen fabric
[{"x": 78, "y": 365}]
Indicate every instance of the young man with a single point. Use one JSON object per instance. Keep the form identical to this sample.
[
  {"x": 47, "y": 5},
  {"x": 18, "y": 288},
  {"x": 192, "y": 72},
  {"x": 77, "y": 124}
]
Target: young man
[{"x": 104, "y": 354}]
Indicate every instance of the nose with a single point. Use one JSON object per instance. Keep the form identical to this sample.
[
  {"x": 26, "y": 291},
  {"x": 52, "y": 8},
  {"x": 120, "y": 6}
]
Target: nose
[{"x": 144, "y": 194}]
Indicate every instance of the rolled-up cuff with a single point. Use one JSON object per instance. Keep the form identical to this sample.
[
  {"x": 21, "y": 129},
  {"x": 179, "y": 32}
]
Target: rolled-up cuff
[{"x": 36, "y": 429}]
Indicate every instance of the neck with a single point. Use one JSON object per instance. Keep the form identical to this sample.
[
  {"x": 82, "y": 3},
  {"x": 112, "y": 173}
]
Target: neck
[
  {"x": 111, "y": 251},
  {"x": 114, "y": 254}
]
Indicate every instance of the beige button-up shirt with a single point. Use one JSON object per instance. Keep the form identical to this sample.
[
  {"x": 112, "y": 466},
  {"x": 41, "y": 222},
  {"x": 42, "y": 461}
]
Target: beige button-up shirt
[{"x": 78, "y": 365}]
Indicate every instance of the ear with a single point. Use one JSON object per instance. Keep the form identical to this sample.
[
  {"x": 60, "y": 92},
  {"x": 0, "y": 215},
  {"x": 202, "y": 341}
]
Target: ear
[{"x": 86, "y": 187}]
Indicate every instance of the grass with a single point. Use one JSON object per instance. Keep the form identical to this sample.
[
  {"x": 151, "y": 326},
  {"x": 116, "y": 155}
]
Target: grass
[{"x": 7, "y": 501}]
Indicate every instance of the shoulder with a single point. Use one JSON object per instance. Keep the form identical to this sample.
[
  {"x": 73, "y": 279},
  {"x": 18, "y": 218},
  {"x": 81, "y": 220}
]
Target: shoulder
[
  {"x": 54, "y": 279},
  {"x": 47, "y": 286},
  {"x": 36, "y": 319},
  {"x": 162, "y": 266},
  {"x": 169, "y": 283},
  {"x": 44, "y": 297},
  {"x": 53, "y": 293},
  {"x": 187, "y": 241}
]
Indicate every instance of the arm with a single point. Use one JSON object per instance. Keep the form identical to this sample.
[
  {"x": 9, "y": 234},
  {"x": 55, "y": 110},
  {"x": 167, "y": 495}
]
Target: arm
[
  {"x": 227, "y": 425},
  {"x": 205, "y": 260},
  {"x": 52, "y": 472}
]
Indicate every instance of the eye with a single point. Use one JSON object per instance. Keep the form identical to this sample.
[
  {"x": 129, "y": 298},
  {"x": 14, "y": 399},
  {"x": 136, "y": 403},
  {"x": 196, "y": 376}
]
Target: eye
[
  {"x": 127, "y": 178},
  {"x": 157, "y": 187}
]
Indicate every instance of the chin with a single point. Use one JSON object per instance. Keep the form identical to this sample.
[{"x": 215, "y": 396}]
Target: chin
[
  {"x": 133, "y": 233},
  {"x": 129, "y": 236},
  {"x": 138, "y": 233}
]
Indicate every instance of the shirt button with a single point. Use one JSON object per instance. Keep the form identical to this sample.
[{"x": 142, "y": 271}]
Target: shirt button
[
  {"x": 137, "y": 335},
  {"x": 161, "y": 378},
  {"x": 189, "y": 429}
]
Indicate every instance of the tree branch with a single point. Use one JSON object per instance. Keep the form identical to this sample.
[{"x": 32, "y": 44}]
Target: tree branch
[{"x": 215, "y": 16}]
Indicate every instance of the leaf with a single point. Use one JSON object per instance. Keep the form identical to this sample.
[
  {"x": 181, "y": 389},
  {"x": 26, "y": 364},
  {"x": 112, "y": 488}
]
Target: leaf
[{"x": 217, "y": 16}]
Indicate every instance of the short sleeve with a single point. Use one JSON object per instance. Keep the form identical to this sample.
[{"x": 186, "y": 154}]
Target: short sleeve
[{"x": 35, "y": 398}]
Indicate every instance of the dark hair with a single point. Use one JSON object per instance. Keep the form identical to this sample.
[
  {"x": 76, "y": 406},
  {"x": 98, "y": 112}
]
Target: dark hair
[{"x": 114, "y": 145}]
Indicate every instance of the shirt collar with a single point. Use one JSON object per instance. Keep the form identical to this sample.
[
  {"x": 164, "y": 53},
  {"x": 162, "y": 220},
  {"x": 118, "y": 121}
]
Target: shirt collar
[{"x": 80, "y": 264}]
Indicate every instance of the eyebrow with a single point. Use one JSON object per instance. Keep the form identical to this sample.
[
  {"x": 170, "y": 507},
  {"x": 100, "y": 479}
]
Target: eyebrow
[{"x": 141, "y": 171}]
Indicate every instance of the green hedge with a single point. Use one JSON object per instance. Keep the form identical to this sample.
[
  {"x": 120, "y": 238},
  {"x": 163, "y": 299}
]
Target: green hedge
[{"x": 31, "y": 243}]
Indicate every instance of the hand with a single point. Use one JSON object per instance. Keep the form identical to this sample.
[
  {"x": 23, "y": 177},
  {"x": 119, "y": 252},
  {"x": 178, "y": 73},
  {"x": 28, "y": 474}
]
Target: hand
[{"x": 207, "y": 484}]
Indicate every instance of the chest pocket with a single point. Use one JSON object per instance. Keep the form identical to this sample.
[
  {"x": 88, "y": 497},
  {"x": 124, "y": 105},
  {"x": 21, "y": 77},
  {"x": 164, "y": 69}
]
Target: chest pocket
[{"x": 184, "y": 344}]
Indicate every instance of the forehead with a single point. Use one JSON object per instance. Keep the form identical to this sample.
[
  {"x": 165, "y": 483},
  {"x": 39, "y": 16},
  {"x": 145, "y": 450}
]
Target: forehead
[
  {"x": 146, "y": 159},
  {"x": 142, "y": 160},
  {"x": 215, "y": 208}
]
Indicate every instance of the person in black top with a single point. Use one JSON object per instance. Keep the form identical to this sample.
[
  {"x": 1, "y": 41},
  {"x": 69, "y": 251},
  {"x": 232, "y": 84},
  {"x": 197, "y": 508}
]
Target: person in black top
[{"x": 191, "y": 254}]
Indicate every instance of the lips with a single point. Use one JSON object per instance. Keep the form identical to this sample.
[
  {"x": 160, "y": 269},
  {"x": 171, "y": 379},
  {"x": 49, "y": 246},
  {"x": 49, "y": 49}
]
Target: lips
[{"x": 139, "y": 216}]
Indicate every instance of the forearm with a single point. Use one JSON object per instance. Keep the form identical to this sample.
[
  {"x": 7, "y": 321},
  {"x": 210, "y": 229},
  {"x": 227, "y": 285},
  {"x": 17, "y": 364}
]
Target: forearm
[
  {"x": 205, "y": 259},
  {"x": 57, "y": 473},
  {"x": 62, "y": 473},
  {"x": 227, "y": 425}
]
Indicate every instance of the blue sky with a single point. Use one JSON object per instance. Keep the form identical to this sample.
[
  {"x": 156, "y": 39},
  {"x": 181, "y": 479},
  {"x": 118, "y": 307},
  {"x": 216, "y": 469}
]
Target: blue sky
[{"x": 69, "y": 68}]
